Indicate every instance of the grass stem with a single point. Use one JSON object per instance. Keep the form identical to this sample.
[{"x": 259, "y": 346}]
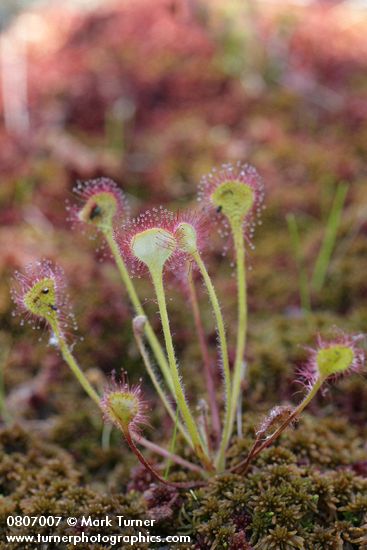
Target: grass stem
[{"x": 328, "y": 243}]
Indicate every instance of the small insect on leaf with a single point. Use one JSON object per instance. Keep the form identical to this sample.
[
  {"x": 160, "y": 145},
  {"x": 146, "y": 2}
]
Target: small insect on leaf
[{"x": 95, "y": 212}]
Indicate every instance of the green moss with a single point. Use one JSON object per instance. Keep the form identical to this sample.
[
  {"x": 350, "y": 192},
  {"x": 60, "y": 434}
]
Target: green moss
[{"x": 291, "y": 495}]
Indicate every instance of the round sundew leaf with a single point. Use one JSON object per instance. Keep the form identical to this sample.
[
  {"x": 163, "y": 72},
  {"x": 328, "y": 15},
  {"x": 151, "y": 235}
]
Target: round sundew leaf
[
  {"x": 99, "y": 210},
  {"x": 334, "y": 360},
  {"x": 234, "y": 199},
  {"x": 122, "y": 407},
  {"x": 153, "y": 247},
  {"x": 40, "y": 299},
  {"x": 40, "y": 292}
]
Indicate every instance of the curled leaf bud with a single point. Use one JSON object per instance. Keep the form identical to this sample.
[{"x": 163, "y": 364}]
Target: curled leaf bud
[
  {"x": 275, "y": 418},
  {"x": 186, "y": 237},
  {"x": 139, "y": 323}
]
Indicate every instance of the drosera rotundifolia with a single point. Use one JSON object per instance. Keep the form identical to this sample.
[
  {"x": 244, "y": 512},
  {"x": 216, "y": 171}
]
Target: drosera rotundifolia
[{"x": 153, "y": 245}]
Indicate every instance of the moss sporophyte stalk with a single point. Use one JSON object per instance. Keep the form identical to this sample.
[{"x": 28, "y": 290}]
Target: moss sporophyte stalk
[{"x": 162, "y": 246}]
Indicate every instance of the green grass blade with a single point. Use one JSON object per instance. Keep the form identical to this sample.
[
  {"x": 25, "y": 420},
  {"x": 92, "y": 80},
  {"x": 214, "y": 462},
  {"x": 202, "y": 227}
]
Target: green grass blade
[{"x": 328, "y": 243}]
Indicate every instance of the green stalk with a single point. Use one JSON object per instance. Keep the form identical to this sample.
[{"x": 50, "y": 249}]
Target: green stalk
[
  {"x": 239, "y": 246},
  {"x": 224, "y": 355},
  {"x": 157, "y": 278},
  {"x": 70, "y": 360},
  {"x": 150, "y": 335},
  {"x": 106, "y": 436},
  {"x": 156, "y": 384}
]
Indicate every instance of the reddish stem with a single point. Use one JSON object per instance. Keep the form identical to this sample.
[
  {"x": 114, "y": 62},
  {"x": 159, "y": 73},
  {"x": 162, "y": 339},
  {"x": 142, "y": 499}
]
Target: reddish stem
[
  {"x": 155, "y": 474},
  {"x": 206, "y": 357},
  {"x": 171, "y": 456}
]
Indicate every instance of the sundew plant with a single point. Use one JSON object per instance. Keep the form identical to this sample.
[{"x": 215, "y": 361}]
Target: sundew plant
[{"x": 158, "y": 244}]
